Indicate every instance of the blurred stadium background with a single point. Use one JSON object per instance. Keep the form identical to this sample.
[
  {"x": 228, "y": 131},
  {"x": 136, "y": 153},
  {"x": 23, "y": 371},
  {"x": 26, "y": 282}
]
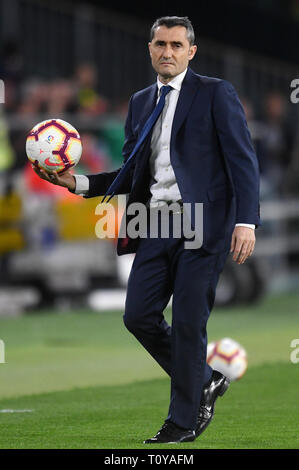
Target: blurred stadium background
[{"x": 81, "y": 62}]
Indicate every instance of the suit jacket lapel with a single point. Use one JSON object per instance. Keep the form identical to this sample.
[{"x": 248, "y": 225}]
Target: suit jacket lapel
[
  {"x": 186, "y": 97},
  {"x": 149, "y": 105},
  {"x": 148, "y": 108}
]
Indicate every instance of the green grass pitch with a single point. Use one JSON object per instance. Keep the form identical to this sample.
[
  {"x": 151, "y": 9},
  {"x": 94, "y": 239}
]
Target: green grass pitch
[{"x": 90, "y": 385}]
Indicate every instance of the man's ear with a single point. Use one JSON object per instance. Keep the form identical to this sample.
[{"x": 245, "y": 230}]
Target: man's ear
[
  {"x": 192, "y": 51},
  {"x": 149, "y": 48}
]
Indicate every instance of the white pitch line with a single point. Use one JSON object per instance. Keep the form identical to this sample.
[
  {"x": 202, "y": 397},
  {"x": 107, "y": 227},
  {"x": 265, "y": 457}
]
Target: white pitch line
[{"x": 16, "y": 411}]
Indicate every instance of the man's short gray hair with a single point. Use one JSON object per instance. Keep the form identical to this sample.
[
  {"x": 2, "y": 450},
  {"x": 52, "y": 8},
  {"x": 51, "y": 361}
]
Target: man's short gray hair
[{"x": 170, "y": 22}]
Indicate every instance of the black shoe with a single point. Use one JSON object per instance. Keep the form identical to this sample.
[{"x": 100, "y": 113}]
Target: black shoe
[
  {"x": 172, "y": 434},
  {"x": 216, "y": 388}
]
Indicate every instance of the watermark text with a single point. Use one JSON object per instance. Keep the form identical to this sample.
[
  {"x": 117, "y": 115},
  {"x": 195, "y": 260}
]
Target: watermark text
[
  {"x": 294, "y": 356},
  {"x": 2, "y": 352},
  {"x": 2, "y": 92},
  {"x": 173, "y": 220},
  {"x": 294, "y": 97}
]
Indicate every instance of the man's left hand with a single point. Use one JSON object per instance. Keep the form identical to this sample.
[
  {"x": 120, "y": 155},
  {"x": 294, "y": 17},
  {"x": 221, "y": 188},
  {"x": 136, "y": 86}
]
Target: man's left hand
[{"x": 242, "y": 245}]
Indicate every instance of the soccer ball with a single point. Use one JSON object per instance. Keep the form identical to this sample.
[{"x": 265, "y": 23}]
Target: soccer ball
[
  {"x": 55, "y": 144},
  {"x": 228, "y": 357}
]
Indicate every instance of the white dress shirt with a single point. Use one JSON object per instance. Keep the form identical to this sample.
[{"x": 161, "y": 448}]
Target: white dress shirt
[{"x": 164, "y": 187}]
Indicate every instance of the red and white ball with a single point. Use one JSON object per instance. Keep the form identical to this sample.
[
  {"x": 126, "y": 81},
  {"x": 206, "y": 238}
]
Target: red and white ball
[
  {"x": 55, "y": 144},
  {"x": 228, "y": 357}
]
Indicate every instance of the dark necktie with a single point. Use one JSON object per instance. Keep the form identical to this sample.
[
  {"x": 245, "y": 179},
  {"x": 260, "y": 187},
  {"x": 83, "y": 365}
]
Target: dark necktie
[{"x": 144, "y": 133}]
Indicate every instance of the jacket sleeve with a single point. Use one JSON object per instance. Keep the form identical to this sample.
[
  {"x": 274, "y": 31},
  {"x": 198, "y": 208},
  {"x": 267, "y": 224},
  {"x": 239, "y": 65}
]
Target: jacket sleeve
[
  {"x": 238, "y": 152},
  {"x": 98, "y": 184}
]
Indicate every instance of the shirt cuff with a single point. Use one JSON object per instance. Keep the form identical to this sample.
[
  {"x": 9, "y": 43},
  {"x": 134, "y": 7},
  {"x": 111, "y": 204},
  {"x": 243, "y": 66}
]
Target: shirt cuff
[
  {"x": 82, "y": 185},
  {"x": 246, "y": 225}
]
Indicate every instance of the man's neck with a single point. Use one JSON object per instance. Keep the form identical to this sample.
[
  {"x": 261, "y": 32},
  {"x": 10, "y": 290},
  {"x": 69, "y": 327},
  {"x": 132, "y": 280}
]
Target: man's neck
[{"x": 166, "y": 79}]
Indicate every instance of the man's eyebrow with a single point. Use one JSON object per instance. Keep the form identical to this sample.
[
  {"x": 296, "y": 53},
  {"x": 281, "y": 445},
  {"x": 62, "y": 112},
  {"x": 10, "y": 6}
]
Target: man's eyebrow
[{"x": 160, "y": 41}]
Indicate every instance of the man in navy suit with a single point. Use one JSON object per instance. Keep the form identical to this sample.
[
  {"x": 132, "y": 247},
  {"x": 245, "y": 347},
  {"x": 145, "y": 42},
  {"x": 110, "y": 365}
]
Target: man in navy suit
[{"x": 198, "y": 151}]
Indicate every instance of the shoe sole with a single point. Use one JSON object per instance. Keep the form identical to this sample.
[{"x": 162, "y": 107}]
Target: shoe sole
[
  {"x": 221, "y": 392},
  {"x": 171, "y": 442}
]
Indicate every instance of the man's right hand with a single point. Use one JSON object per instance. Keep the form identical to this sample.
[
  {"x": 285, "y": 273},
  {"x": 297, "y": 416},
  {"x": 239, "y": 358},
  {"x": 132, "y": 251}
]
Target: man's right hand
[{"x": 65, "y": 179}]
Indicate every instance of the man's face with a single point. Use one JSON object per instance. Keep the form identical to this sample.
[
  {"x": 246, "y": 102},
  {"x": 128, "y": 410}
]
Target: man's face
[{"x": 170, "y": 51}]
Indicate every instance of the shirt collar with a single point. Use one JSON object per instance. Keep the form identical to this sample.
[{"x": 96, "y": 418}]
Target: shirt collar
[{"x": 176, "y": 82}]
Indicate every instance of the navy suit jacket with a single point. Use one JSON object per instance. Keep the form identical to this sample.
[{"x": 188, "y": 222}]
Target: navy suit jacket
[{"x": 211, "y": 154}]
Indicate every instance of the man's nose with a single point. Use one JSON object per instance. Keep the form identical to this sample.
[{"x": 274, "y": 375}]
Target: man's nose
[{"x": 167, "y": 53}]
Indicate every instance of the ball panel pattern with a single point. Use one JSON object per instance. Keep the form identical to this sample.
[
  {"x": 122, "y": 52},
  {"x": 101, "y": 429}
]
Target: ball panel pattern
[{"x": 55, "y": 144}]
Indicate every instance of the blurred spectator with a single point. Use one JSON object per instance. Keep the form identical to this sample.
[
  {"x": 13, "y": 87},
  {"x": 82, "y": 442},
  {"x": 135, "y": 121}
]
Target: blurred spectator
[
  {"x": 60, "y": 97},
  {"x": 273, "y": 138},
  {"x": 277, "y": 142},
  {"x": 33, "y": 97},
  {"x": 94, "y": 157},
  {"x": 257, "y": 132},
  {"x": 54, "y": 98},
  {"x": 89, "y": 100}
]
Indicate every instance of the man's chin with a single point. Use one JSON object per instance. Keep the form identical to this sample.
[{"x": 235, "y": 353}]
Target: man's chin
[{"x": 166, "y": 74}]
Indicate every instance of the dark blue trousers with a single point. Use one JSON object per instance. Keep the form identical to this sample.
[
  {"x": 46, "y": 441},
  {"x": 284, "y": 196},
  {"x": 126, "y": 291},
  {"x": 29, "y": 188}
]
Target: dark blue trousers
[{"x": 163, "y": 267}]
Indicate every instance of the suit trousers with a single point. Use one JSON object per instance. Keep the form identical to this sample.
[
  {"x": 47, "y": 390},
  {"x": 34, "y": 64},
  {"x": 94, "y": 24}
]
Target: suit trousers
[{"x": 163, "y": 267}]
